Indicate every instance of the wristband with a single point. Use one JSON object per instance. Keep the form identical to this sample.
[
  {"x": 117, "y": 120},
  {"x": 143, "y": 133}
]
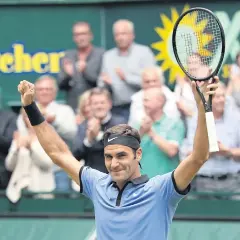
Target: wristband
[{"x": 34, "y": 115}]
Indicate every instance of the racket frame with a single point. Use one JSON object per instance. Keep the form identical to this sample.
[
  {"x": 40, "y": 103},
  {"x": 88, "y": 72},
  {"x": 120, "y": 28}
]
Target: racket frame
[
  {"x": 175, "y": 48},
  {"x": 211, "y": 127}
]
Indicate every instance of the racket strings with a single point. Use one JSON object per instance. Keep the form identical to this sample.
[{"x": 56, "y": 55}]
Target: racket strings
[{"x": 199, "y": 43}]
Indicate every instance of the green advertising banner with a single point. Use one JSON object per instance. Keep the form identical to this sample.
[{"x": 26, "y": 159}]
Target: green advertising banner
[
  {"x": 34, "y": 38},
  {"x": 154, "y": 24}
]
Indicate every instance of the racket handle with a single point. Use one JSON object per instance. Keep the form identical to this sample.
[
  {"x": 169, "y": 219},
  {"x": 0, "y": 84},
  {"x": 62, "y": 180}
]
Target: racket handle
[{"x": 212, "y": 135}]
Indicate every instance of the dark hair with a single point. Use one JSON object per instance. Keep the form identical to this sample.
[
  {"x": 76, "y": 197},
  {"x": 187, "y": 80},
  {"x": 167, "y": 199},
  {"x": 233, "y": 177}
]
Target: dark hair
[
  {"x": 100, "y": 91},
  {"x": 123, "y": 130}
]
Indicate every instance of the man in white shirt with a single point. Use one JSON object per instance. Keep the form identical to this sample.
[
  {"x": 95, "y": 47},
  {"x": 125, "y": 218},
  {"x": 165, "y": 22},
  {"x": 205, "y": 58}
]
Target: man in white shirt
[
  {"x": 55, "y": 113},
  {"x": 60, "y": 116},
  {"x": 152, "y": 77}
]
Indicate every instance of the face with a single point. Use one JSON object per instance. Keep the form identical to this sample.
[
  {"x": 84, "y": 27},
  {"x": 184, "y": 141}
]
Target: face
[
  {"x": 150, "y": 80},
  {"x": 218, "y": 101},
  {"x": 100, "y": 105},
  {"x": 82, "y": 36},
  {"x": 193, "y": 64},
  {"x": 153, "y": 102},
  {"x": 123, "y": 36},
  {"x": 121, "y": 162},
  {"x": 45, "y": 91},
  {"x": 86, "y": 109}
]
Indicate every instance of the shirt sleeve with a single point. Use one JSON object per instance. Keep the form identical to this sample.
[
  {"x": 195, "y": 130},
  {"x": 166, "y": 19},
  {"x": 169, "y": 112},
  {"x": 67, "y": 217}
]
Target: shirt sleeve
[
  {"x": 88, "y": 179},
  {"x": 167, "y": 188}
]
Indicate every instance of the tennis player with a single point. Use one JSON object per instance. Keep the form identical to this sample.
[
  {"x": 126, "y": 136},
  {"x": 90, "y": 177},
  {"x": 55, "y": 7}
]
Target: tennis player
[{"x": 128, "y": 205}]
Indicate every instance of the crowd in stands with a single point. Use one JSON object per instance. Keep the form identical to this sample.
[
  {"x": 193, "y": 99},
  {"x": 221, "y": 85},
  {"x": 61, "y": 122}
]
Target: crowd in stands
[{"x": 122, "y": 85}]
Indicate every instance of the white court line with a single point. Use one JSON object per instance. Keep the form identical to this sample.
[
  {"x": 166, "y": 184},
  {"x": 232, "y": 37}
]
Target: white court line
[{"x": 92, "y": 235}]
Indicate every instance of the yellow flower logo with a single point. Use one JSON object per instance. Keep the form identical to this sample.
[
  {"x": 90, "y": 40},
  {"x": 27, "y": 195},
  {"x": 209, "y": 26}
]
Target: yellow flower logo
[{"x": 164, "y": 46}]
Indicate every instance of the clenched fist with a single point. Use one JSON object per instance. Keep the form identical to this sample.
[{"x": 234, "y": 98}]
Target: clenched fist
[{"x": 27, "y": 91}]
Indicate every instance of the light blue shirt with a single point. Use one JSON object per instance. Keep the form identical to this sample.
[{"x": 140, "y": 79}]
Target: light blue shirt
[{"x": 144, "y": 209}]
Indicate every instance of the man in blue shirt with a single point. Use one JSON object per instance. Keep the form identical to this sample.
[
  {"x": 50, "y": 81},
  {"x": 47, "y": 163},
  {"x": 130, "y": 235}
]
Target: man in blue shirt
[
  {"x": 127, "y": 204},
  {"x": 221, "y": 173}
]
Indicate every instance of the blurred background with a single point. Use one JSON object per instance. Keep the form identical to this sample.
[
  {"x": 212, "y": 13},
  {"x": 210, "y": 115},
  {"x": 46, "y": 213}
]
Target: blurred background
[{"x": 95, "y": 64}]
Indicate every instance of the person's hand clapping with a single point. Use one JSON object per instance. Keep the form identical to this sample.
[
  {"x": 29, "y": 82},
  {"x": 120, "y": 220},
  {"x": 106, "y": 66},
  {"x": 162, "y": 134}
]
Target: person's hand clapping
[
  {"x": 120, "y": 73},
  {"x": 146, "y": 125},
  {"x": 93, "y": 128},
  {"x": 106, "y": 79},
  {"x": 50, "y": 118},
  {"x": 23, "y": 141},
  {"x": 223, "y": 150},
  {"x": 81, "y": 66},
  {"x": 68, "y": 67}
]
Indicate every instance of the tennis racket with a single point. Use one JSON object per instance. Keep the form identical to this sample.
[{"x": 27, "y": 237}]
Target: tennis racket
[{"x": 199, "y": 45}]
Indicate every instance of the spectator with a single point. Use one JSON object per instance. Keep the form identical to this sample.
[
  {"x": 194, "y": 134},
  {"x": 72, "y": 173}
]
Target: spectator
[
  {"x": 55, "y": 113},
  {"x": 185, "y": 100},
  {"x": 60, "y": 116},
  {"x": 235, "y": 68},
  {"x": 222, "y": 170},
  {"x": 80, "y": 67},
  {"x": 84, "y": 109},
  {"x": 83, "y": 113},
  {"x": 233, "y": 89},
  {"x": 88, "y": 144},
  {"x": 152, "y": 77},
  {"x": 161, "y": 135},
  {"x": 122, "y": 66},
  {"x": 31, "y": 166},
  {"x": 196, "y": 66},
  {"x": 7, "y": 128}
]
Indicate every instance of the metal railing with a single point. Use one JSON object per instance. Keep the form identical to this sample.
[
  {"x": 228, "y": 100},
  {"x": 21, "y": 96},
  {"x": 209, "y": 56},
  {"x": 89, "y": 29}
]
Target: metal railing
[{"x": 195, "y": 207}]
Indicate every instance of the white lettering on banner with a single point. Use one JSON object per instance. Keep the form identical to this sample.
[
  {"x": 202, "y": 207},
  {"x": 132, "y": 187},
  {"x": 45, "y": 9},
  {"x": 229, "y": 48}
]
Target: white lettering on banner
[{"x": 232, "y": 30}]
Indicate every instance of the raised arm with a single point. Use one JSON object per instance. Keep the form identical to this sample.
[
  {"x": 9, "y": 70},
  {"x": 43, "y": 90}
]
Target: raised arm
[
  {"x": 189, "y": 167},
  {"x": 57, "y": 150},
  {"x": 51, "y": 142}
]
